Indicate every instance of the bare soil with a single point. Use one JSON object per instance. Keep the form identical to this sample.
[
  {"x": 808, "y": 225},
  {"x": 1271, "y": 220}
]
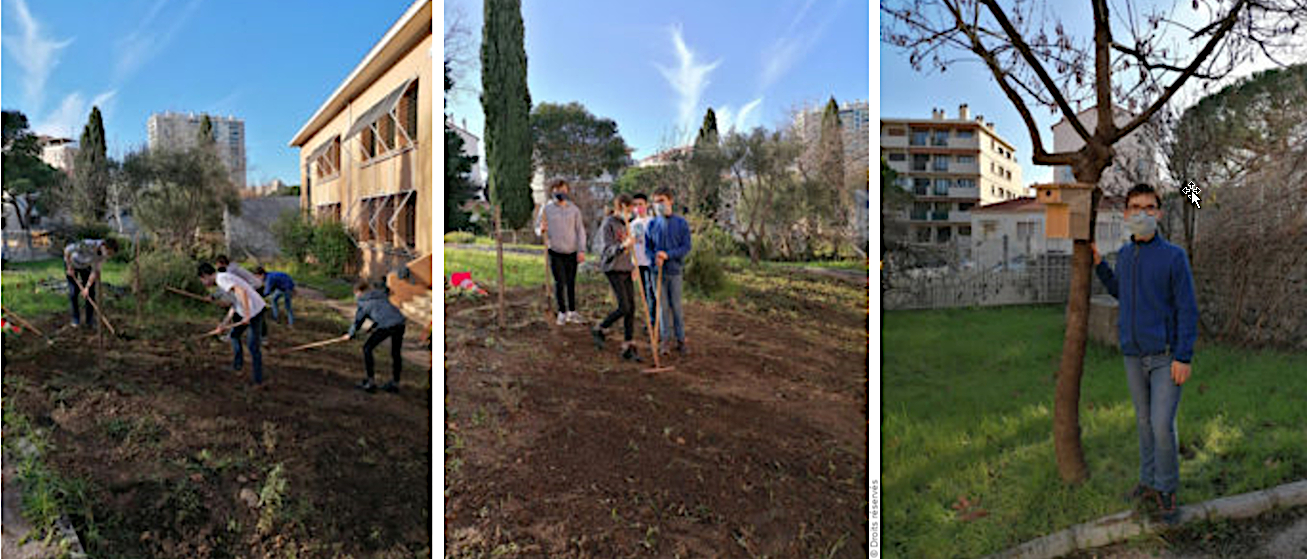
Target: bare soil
[
  {"x": 755, "y": 445},
  {"x": 170, "y": 437}
]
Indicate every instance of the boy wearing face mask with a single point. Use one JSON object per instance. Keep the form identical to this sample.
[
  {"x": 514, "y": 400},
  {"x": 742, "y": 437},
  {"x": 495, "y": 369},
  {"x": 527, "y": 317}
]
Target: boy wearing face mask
[
  {"x": 1157, "y": 327},
  {"x": 667, "y": 243},
  {"x": 618, "y": 267},
  {"x": 639, "y": 226},
  {"x": 560, "y": 224}
]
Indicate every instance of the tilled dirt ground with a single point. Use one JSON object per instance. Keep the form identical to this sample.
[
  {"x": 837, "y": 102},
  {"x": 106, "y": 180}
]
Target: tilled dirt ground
[
  {"x": 755, "y": 445},
  {"x": 185, "y": 460}
]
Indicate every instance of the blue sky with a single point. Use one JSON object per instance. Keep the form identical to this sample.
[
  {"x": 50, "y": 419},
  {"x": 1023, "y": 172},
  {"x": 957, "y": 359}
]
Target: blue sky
[
  {"x": 655, "y": 67},
  {"x": 907, "y": 93},
  {"x": 269, "y": 63}
]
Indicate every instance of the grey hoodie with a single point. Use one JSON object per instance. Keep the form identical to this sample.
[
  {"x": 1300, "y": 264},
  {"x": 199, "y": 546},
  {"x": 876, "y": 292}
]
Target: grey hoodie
[{"x": 376, "y": 305}]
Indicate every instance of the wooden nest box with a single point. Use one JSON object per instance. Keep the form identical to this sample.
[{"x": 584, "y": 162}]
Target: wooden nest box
[{"x": 1066, "y": 209}]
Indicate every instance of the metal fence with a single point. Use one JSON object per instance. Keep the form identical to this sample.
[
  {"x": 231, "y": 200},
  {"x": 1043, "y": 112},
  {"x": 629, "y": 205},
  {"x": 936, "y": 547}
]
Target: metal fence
[
  {"x": 1046, "y": 279},
  {"x": 25, "y": 246}
]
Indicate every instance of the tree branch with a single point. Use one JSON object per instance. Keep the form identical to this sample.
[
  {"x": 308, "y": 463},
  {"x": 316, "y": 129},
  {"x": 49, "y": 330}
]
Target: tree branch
[
  {"x": 1143, "y": 61},
  {"x": 1179, "y": 82},
  {"x": 1047, "y": 80},
  {"x": 1103, "y": 69}
]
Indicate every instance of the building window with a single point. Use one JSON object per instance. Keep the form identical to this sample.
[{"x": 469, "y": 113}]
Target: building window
[
  {"x": 964, "y": 231},
  {"x": 329, "y": 212},
  {"x": 966, "y": 183},
  {"x": 943, "y": 234},
  {"x": 920, "y": 187},
  {"x": 923, "y": 235},
  {"x": 408, "y": 114},
  {"x": 966, "y": 159},
  {"x": 966, "y": 206},
  {"x": 918, "y": 137},
  {"x": 941, "y": 163},
  {"x": 940, "y": 138},
  {"x": 966, "y": 133},
  {"x": 898, "y": 157},
  {"x": 919, "y": 161},
  {"x": 327, "y": 164},
  {"x": 988, "y": 227},
  {"x": 942, "y": 186},
  {"x": 896, "y": 132},
  {"x": 1025, "y": 230},
  {"x": 369, "y": 142}
]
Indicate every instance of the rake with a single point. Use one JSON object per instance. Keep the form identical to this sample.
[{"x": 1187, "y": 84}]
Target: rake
[{"x": 654, "y": 333}]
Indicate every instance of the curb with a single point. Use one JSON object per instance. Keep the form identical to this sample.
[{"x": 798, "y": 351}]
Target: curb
[{"x": 1124, "y": 525}]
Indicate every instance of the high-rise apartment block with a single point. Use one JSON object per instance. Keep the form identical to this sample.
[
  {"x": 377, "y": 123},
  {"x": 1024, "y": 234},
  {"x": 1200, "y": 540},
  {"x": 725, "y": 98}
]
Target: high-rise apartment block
[
  {"x": 950, "y": 166},
  {"x": 182, "y": 130}
]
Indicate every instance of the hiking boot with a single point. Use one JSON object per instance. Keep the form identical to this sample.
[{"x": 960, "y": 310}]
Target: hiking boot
[
  {"x": 629, "y": 354},
  {"x": 1168, "y": 508},
  {"x": 366, "y": 386},
  {"x": 598, "y": 336},
  {"x": 1140, "y": 492},
  {"x": 681, "y": 348},
  {"x": 562, "y": 319},
  {"x": 390, "y": 387}
]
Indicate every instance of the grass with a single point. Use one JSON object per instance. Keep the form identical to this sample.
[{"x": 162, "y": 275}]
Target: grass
[
  {"x": 20, "y": 280},
  {"x": 334, "y": 287},
  {"x": 520, "y": 270},
  {"x": 967, "y": 413}
]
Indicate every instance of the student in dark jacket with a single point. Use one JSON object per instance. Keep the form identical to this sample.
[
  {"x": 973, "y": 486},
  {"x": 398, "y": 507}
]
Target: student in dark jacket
[
  {"x": 387, "y": 322},
  {"x": 618, "y": 267},
  {"x": 1157, "y": 326},
  {"x": 668, "y": 243}
]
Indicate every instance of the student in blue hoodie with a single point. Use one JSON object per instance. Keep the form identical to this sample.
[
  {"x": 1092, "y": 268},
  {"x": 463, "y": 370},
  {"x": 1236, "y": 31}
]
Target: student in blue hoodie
[
  {"x": 387, "y": 322},
  {"x": 277, "y": 286},
  {"x": 1157, "y": 326},
  {"x": 667, "y": 243}
]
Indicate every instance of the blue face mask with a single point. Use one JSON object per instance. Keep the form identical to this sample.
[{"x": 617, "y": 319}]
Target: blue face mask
[{"x": 560, "y": 196}]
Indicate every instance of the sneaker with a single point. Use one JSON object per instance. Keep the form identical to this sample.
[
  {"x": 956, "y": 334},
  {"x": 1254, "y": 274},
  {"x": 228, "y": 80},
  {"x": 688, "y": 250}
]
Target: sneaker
[
  {"x": 598, "y": 336},
  {"x": 1168, "y": 508},
  {"x": 630, "y": 355},
  {"x": 562, "y": 319},
  {"x": 575, "y": 317},
  {"x": 366, "y": 386},
  {"x": 390, "y": 387}
]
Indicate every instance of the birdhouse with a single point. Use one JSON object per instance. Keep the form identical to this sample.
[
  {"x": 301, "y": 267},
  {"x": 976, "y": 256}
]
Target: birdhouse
[{"x": 1066, "y": 209}]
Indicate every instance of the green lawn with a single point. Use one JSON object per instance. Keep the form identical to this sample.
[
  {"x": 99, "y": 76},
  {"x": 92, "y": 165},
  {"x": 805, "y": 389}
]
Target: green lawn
[
  {"x": 19, "y": 281},
  {"x": 967, "y": 404}
]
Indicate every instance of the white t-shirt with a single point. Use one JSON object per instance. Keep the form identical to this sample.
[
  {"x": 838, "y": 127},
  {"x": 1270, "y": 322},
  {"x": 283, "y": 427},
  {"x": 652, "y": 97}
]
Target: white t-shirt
[
  {"x": 230, "y": 283},
  {"x": 638, "y": 228}
]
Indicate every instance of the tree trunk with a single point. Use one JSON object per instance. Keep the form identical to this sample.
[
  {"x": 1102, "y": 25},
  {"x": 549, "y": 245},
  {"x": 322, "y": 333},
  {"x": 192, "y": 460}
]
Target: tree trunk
[
  {"x": 1066, "y": 402},
  {"x": 499, "y": 256}
]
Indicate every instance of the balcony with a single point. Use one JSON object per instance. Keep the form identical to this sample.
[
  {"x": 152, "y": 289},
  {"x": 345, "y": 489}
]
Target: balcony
[
  {"x": 939, "y": 216},
  {"x": 921, "y": 190},
  {"x": 887, "y": 141},
  {"x": 964, "y": 192},
  {"x": 918, "y": 215},
  {"x": 960, "y": 216}
]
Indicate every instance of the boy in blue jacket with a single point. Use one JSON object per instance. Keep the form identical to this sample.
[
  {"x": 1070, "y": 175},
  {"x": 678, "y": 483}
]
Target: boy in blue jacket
[
  {"x": 387, "y": 322},
  {"x": 280, "y": 286},
  {"x": 667, "y": 243},
  {"x": 1157, "y": 326}
]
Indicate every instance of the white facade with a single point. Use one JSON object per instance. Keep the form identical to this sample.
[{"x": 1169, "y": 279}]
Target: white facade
[
  {"x": 471, "y": 147},
  {"x": 178, "y": 131},
  {"x": 1138, "y": 157},
  {"x": 1013, "y": 232},
  {"x": 60, "y": 155}
]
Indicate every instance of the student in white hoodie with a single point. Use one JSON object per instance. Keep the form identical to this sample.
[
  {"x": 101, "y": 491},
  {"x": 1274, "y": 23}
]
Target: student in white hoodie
[{"x": 561, "y": 226}]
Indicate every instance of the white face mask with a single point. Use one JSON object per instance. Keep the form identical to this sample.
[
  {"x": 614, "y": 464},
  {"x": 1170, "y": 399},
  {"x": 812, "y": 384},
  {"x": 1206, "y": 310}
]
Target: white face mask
[
  {"x": 1142, "y": 225},
  {"x": 663, "y": 209}
]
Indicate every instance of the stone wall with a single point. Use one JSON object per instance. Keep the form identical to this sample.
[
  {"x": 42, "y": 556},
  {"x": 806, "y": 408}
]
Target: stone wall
[{"x": 251, "y": 232}]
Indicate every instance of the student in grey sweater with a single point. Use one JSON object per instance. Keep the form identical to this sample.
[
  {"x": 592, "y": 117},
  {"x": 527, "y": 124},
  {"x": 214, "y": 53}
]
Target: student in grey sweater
[
  {"x": 561, "y": 226},
  {"x": 618, "y": 267},
  {"x": 387, "y": 322}
]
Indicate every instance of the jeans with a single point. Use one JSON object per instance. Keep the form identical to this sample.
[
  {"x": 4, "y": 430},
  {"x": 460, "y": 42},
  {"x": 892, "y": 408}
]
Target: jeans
[
  {"x": 563, "y": 267},
  {"x": 75, "y": 294},
  {"x": 278, "y": 294},
  {"x": 649, "y": 278},
  {"x": 673, "y": 314},
  {"x": 396, "y": 335},
  {"x": 254, "y": 338},
  {"x": 624, "y": 290},
  {"x": 1156, "y": 398}
]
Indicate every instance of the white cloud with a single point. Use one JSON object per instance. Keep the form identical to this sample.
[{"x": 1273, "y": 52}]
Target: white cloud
[
  {"x": 689, "y": 79},
  {"x": 791, "y": 47},
  {"x": 35, "y": 52},
  {"x": 147, "y": 40},
  {"x": 67, "y": 120},
  {"x": 729, "y": 119}
]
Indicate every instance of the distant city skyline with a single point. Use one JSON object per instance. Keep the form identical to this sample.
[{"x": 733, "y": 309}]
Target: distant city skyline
[{"x": 268, "y": 64}]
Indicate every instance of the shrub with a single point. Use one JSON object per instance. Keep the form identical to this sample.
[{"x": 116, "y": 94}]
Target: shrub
[
  {"x": 333, "y": 247},
  {"x": 294, "y": 233},
  {"x": 459, "y": 237},
  {"x": 704, "y": 271},
  {"x": 166, "y": 268}
]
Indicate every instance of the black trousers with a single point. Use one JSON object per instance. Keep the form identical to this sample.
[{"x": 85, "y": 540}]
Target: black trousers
[
  {"x": 624, "y": 289},
  {"x": 563, "y": 267},
  {"x": 75, "y": 294},
  {"x": 396, "y": 335}
]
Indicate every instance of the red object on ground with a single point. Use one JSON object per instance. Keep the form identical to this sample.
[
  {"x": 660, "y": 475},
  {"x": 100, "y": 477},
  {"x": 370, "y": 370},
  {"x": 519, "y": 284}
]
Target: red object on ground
[{"x": 457, "y": 278}]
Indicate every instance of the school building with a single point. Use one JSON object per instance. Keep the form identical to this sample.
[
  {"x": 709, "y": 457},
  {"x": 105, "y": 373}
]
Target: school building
[{"x": 365, "y": 155}]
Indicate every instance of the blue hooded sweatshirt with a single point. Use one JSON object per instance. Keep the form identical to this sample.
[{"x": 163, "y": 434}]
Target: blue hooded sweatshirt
[
  {"x": 669, "y": 234},
  {"x": 1158, "y": 310}
]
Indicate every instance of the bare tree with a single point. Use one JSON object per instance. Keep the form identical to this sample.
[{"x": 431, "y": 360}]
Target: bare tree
[{"x": 1131, "y": 58}]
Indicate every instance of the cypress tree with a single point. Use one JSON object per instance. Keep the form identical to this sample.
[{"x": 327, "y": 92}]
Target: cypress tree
[
  {"x": 830, "y": 166},
  {"x": 91, "y": 172},
  {"x": 506, "y": 102}
]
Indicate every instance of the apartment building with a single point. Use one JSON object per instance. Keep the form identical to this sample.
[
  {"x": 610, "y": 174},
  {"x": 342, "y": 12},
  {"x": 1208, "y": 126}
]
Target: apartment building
[
  {"x": 365, "y": 154},
  {"x": 951, "y": 165},
  {"x": 169, "y": 130}
]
